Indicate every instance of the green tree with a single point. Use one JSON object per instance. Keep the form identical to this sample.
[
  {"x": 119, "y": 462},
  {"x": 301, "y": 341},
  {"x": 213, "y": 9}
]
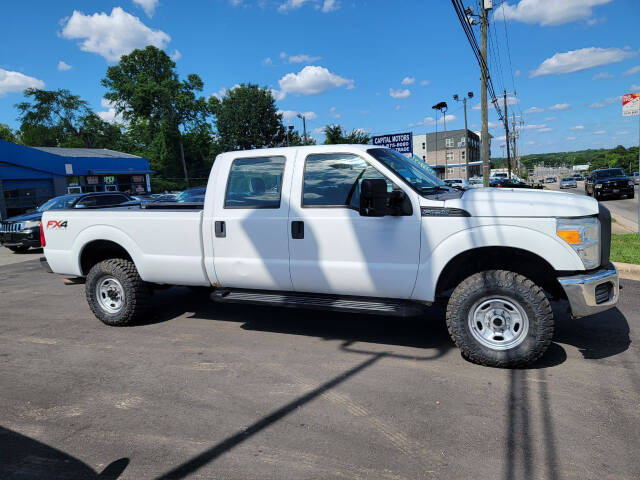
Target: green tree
[
  {"x": 57, "y": 118},
  {"x": 6, "y": 133},
  {"x": 247, "y": 118},
  {"x": 161, "y": 109},
  {"x": 335, "y": 134}
]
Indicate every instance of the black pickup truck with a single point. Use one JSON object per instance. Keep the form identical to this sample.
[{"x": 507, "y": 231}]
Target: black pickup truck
[{"x": 607, "y": 183}]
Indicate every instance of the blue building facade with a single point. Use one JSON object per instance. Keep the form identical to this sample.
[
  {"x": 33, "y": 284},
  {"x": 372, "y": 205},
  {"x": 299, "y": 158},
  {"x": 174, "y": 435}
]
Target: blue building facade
[{"x": 31, "y": 175}]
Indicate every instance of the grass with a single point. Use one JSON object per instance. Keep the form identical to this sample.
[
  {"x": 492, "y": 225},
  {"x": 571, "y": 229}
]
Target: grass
[{"x": 625, "y": 248}]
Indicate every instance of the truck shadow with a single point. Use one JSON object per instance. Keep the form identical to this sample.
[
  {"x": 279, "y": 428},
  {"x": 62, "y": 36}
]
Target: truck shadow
[
  {"x": 26, "y": 458},
  {"x": 413, "y": 332}
]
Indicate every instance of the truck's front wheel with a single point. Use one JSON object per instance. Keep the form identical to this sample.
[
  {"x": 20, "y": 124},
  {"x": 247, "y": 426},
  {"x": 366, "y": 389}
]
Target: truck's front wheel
[
  {"x": 500, "y": 319},
  {"x": 116, "y": 293}
]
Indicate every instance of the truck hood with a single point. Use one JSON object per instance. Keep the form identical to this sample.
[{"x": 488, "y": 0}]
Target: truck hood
[
  {"x": 507, "y": 202},
  {"x": 25, "y": 217}
]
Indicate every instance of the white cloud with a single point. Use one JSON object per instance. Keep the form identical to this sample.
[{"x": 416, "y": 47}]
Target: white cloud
[
  {"x": 303, "y": 58},
  {"x": 399, "y": 93},
  {"x": 317, "y": 131},
  {"x": 223, "y": 91},
  {"x": 16, "y": 82},
  {"x": 289, "y": 115},
  {"x": 312, "y": 80},
  {"x": 64, "y": 66},
  {"x": 108, "y": 115},
  {"x": 424, "y": 82},
  {"x": 577, "y": 60},
  {"x": 267, "y": 61},
  {"x": 330, "y": 6},
  {"x": 510, "y": 101},
  {"x": 560, "y": 106},
  {"x": 632, "y": 70},
  {"x": 605, "y": 102},
  {"x": 548, "y": 119},
  {"x": 176, "y": 55},
  {"x": 545, "y": 129},
  {"x": 408, "y": 80},
  {"x": 334, "y": 113},
  {"x": 623, "y": 132},
  {"x": 601, "y": 76},
  {"x": 495, "y": 125},
  {"x": 111, "y": 35},
  {"x": 431, "y": 121},
  {"x": 577, "y": 127},
  {"x": 534, "y": 110},
  {"x": 548, "y": 12},
  {"x": 277, "y": 94},
  {"x": 325, "y": 6},
  {"x": 517, "y": 73},
  {"x": 531, "y": 142},
  {"x": 571, "y": 138},
  {"x": 599, "y": 132},
  {"x": 149, "y": 6},
  {"x": 533, "y": 126},
  {"x": 635, "y": 86}
]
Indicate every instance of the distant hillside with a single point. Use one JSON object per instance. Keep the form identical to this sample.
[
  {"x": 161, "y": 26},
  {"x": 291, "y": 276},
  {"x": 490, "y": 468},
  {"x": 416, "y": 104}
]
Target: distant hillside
[{"x": 625, "y": 158}]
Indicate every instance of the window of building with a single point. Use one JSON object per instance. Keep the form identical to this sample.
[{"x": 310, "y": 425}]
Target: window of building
[
  {"x": 449, "y": 156},
  {"x": 450, "y": 170},
  {"x": 463, "y": 155},
  {"x": 334, "y": 180},
  {"x": 448, "y": 142},
  {"x": 424, "y": 146},
  {"x": 463, "y": 141},
  {"x": 254, "y": 183}
]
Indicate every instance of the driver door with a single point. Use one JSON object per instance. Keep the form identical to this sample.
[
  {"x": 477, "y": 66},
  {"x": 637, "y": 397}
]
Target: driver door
[{"x": 332, "y": 248}]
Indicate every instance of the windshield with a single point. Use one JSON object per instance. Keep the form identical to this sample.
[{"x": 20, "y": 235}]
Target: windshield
[
  {"x": 414, "y": 175},
  {"x": 57, "y": 203},
  {"x": 611, "y": 172}
]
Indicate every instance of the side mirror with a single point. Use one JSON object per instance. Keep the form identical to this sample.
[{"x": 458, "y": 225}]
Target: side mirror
[{"x": 373, "y": 197}]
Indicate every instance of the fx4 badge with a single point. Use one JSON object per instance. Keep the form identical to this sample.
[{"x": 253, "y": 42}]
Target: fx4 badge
[{"x": 56, "y": 224}]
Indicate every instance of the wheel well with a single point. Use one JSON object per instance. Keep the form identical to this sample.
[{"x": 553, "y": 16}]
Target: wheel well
[
  {"x": 515, "y": 260},
  {"x": 99, "y": 250}
]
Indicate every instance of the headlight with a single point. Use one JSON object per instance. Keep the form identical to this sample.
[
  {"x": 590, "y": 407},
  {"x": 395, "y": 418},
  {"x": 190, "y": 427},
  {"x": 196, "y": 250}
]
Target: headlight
[
  {"x": 599, "y": 185},
  {"x": 583, "y": 234},
  {"x": 630, "y": 182},
  {"x": 31, "y": 224}
]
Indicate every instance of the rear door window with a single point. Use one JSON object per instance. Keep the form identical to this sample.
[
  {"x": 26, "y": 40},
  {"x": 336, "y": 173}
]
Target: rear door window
[{"x": 255, "y": 183}]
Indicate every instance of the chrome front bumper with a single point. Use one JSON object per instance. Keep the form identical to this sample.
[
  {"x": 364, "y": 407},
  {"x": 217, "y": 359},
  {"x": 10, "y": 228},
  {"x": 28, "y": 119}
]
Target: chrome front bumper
[{"x": 582, "y": 295}]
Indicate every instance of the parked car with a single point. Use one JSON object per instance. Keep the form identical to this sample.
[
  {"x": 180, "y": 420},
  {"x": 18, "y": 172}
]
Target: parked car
[
  {"x": 636, "y": 178},
  {"x": 608, "y": 183},
  {"x": 508, "y": 183},
  {"x": 192, "y": 195},
  {"x": 459, "y": 183},
  {"x": 568, "y": 182},
  {"x": 550, "y": 180},
  {"x": 476, "y": 182},
  {"x": 353, "y": 228},
  {"x": 22, "y": 232}
]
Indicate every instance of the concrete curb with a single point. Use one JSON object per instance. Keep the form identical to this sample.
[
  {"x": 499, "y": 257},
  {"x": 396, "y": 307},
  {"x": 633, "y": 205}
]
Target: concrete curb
[
  {"x": 625, "y": 224},
  {"x": 628, "y": 271}
]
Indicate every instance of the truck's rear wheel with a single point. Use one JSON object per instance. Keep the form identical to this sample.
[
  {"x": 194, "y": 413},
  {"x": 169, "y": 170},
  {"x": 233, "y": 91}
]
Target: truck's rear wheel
[
  {"x": 500, "y": 319},
  {"x": 116, "y": 293}
]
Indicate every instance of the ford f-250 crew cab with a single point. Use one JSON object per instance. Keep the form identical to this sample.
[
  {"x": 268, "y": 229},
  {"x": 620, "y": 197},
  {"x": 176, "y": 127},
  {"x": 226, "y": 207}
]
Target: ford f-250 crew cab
[{"x": 352, "y": 228}]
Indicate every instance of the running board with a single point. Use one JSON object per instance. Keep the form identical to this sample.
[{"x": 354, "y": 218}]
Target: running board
[{"x": 376, "y": 306}]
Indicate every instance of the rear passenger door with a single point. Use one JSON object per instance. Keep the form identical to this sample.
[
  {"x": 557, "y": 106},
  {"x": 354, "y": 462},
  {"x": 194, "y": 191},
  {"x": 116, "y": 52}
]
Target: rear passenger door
[{"x": 250, "y": 243}]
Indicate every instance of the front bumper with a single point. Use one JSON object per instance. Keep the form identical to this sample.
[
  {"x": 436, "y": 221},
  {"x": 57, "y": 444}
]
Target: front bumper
[
  {"x": 592, "y": 292},
  {"x": 24, "y": 238}
]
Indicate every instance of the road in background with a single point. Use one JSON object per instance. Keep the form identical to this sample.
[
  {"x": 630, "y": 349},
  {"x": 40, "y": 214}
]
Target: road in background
[
  {"x": 625, "y": 210},
  {"x": 246, "y": 392}
]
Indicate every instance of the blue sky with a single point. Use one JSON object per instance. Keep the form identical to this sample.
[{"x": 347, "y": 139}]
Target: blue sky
[{"x": 375, "y": 65}]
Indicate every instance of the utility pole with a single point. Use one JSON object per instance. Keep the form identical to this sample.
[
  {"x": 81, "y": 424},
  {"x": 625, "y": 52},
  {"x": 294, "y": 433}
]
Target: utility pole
[
  {"x": 514, "y": 136},
  {"x": 466, "y": 135},
  {"x": 304, "y": 128},
  {"x": 483, "y": 96},
  {"x": 506, "y": 131}
]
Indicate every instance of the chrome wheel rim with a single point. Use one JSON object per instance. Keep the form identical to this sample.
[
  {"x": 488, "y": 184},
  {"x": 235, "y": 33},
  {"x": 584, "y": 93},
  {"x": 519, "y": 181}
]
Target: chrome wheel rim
[
  {"x": 110, "y": 294},
  {"x": 498, "y": 323}
]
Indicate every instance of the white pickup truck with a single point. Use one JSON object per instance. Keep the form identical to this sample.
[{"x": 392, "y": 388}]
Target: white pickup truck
[{"x": 351, "y": 228}]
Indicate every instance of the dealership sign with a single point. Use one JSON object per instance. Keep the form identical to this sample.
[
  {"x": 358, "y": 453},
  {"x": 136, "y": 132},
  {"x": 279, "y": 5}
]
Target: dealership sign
[
  {"x": 400, "y": 142},
  {"x": 631, "y": 104}
]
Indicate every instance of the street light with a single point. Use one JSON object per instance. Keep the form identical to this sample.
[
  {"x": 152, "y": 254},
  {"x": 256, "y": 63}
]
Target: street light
[
  {"x": 304, "y": 128},
  {"x": 466, "y": 135},
  {"x": 442, "y": 107}
]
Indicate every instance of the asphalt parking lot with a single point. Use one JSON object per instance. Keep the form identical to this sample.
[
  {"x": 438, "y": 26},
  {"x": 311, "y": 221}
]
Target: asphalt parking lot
[{"x": 240, "y": 392}]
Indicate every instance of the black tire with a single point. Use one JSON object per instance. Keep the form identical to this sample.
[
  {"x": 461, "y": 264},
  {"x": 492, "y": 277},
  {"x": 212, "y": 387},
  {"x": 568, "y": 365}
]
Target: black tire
[
  {"x": 135, "y": 292},
  {"x": 18, "y": 249},
  {"x": 515, "y": 288}
]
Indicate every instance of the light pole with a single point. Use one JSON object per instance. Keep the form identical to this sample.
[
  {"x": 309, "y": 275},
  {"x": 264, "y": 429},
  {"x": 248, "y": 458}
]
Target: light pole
[
  {"x": 442, "y": 107},
  {"x": 304, "y": 128},
  {"x": 466, "y": 135}
]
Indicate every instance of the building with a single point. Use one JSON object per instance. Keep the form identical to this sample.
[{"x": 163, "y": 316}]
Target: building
[
  {"x": 31, "y": 175},
  {"x": 446, "y": 152}
]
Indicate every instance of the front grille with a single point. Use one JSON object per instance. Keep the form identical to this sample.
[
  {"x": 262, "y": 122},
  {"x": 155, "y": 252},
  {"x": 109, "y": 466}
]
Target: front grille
[
  {"x": 603, "y": 292},
  {"x": 11, "y": 227},
  {"x": 605, "y": 234}
]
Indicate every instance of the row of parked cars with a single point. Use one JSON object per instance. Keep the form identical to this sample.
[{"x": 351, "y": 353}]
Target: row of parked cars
[{"x": 22, "y": 232}]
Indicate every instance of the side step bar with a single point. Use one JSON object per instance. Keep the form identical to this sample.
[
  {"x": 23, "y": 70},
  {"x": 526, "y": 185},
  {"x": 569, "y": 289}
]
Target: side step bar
[{"x": 377, "y": 306}]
